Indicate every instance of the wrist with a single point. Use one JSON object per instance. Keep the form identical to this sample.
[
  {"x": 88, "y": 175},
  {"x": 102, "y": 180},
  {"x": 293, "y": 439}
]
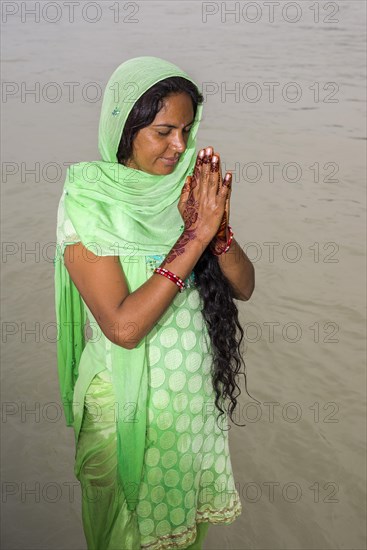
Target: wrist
[
  {"x": 172, "y": 277},
  {"x": 197, "y": 237},
  {"x": 220, "y": 245},
  {"x": 223, "y": 232},
  {"x": 222, "y": 236}
]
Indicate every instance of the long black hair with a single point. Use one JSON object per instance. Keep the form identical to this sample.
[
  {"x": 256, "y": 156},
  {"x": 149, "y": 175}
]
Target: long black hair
[{"x": 219, "y": 309}]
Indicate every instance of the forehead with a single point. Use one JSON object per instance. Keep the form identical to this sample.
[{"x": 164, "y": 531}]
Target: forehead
[{"x": 177, "y": 107}]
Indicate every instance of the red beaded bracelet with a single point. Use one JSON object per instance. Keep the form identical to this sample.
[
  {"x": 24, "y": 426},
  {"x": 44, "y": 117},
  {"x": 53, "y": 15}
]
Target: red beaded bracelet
[
  {"x": 172, "y": 277},
  {"x": 226, "y": 248}
]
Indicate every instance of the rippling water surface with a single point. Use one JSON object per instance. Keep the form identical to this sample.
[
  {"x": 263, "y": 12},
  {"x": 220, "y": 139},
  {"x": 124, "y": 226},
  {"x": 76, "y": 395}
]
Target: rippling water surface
[{"x": 298, "y": 209}]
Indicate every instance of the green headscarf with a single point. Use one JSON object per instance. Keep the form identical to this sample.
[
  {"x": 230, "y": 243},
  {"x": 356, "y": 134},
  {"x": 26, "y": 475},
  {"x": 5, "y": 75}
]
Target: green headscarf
[{"x": 119, "y": 211}]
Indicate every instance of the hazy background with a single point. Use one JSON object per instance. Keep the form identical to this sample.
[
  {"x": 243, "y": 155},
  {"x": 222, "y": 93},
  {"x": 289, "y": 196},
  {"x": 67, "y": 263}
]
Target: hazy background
[{"x": 300, "y": 462}]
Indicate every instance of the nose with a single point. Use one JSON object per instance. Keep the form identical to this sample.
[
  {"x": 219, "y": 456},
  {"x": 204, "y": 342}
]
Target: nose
[{"x": 178, "y": 143}]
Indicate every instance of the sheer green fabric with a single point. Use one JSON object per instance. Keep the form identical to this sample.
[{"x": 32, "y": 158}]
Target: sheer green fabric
[
  {"x": 108, "y": 524},
  {"x": 153, "y": 463},
  {"x": 124, "y": 212},
  {"x": 187, "y": 476}
]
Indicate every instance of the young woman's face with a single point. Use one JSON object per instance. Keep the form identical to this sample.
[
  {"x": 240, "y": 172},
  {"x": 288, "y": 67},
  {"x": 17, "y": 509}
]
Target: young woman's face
[{"x": 157, "y": 147}]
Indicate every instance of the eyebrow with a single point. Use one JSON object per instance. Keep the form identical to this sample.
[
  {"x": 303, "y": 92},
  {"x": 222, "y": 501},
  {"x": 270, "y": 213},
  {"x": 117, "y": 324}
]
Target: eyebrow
[{"x": 171, "y": 125}]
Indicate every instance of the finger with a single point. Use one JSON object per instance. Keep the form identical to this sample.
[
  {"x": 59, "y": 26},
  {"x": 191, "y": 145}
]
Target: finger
[
  {"x": 200, "y": 156},
  {"x": 219, "y": 173},
  {"x": 185, "y": 190},
  {"x": 228, "y": 199},
  {"x": 227, "y": 184},
  {"x": 223, "y": 193},
  {"x": 209, "y": 151},
  {"x": 205, "y": 171},
  {"x": 213, "y": 176},
  {"x": 198, "y": 163},
  {"x": 227, "y": 207},
  {"x": 222, "y": 199}
]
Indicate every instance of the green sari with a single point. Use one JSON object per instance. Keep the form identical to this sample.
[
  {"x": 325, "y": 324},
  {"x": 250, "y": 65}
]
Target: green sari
[{"x": 160, "y": 468}]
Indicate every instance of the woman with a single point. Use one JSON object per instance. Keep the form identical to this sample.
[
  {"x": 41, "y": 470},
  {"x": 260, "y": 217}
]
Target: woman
[{"x": 146, "y": 255}]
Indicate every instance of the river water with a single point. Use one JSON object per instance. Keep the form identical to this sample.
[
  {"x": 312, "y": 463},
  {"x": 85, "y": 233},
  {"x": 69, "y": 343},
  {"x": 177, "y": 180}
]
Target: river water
[{"x": 284, "y": 89}]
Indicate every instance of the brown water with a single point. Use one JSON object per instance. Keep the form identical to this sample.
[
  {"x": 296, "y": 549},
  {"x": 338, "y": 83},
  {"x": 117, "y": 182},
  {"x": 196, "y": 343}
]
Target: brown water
[{"x": 300, "y": 462}]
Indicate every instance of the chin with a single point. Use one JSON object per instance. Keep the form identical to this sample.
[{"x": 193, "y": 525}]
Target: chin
[
  {"x": 160, "y": 169},
  {"x": 165, "y": 171}
]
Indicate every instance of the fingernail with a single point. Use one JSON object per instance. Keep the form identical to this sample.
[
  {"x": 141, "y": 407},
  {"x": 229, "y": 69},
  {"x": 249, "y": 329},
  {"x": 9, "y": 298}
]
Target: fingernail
[
  {"x": 200, "y": 157},
  {"x": 227, "y": 179},
  {"x": 208, "y": 155},
  {"x": 214, "y": 167}
]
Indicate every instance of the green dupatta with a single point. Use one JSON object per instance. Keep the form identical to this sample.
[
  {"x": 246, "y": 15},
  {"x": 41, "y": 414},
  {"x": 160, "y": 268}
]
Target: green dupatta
[{"x": 119, "y": 211}]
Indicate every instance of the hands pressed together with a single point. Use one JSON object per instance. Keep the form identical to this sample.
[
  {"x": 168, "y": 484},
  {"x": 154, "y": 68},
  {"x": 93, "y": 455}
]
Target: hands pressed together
[{"x": 205, "y": 201}]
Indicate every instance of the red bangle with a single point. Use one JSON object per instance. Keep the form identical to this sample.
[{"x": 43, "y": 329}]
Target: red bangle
[
  {"x": 226, "y": 248},
  {"x": 172, "y": 277}
]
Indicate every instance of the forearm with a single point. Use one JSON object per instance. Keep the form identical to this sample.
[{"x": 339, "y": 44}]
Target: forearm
[
  {"x": 239, "y": 270},
  {"x": 141, "y": 309}
]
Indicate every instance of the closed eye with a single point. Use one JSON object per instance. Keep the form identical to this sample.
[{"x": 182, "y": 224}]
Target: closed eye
[{"x": 167, "y": 133}]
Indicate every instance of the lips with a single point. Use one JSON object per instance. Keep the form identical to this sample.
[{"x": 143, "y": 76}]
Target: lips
[{"x": 170, "y": 162}]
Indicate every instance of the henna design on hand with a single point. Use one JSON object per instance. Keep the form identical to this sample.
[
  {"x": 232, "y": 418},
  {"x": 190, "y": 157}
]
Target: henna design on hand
[
  {"x": 179, "y": 246},
  {"x": 221, "y": 237},
  {"x": 190, "y": 213},
  {"x": 190, "y": 216}
]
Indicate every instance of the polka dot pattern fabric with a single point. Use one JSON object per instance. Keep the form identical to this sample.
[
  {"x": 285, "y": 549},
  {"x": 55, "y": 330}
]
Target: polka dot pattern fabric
[{"x": 187, "y": 474}]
